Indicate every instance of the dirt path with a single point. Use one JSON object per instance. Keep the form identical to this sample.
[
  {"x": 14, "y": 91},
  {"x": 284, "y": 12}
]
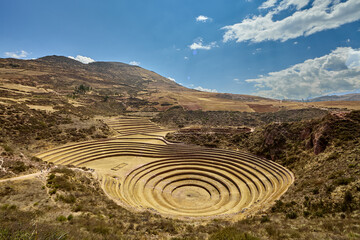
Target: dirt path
[{"x": 23, "y": 177}]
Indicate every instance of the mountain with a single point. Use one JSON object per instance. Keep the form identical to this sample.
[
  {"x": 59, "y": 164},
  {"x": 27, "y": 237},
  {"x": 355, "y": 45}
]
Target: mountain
[
  {"x": 62, "y": 73},
  {"x": 346, "y": 97},
  {"x": 136, "y": 88}
]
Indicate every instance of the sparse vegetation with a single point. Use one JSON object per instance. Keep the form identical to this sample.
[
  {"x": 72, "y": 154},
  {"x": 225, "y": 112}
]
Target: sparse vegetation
[
  {"x": 321, "y": 149},
  {"x": 179, "y": 118}
]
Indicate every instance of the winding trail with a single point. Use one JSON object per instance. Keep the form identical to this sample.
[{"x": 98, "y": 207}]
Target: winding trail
[{"x": 140, "y": 170}]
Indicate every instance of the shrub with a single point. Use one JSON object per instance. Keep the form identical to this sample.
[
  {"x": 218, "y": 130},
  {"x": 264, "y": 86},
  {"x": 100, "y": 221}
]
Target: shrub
[
  {"x": 278, "y": 207},
  {"x": 77, "y": 208},
  {"x": 167, "y": 226},
  {"x": 101, "y": 230},
  {"x": 67, "y": 198},
  {"x": 291, "y": 215},
  {"x": 61, "y": 218},
  {"x": 19, "y": 167},
  {"x": 8, "y": 149},
  {"x": 316, "y": 191},
  {"x": 35, "y": 159},
  {"x": 306, "y": 214},
  {"x": 348, "y": 197},
  {"x": 319, "y": 213},
  {"x": 51, "y": 177},
  {"x": 52, "y": 191},
  {"x": 60, "y": 182},
  {"x": 231, "y": 233},
  {"x": 265, "y": 218},
  {"x": 343, "y": 181}
]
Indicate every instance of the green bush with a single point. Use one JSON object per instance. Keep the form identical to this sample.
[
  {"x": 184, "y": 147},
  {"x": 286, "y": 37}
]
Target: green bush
[
  {"x": 52, "y": 191},
  {"x": 61, "y": 218}
]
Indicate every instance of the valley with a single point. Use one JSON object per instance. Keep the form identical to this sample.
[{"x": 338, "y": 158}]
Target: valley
[{"x": 112, "y": 151}]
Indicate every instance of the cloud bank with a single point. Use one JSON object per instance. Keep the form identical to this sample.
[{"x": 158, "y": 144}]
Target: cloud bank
[
  {"x": 82, "y": 59},
  {"x": 18, "y": 54},
  {"x": 309, "y": 17},
  {"x": 336, "y": 72}
]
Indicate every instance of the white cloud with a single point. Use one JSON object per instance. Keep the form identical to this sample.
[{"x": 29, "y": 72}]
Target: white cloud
[
  {"x": 135, "y": 63},
  {"x": 336, "y": 72},
  {"x": 295, "y": 43},
  {"x": 198, "y": 44},
  {"x": 186, "y": 58},
  {"x": 237, "y": 80},
  {"x": 82, "y": 59},
  {"x": 205, "y": 89},
  {"x": 268, "y": 4},
  {"x": 203, "y": 18},
  {"x": 322, "y": 15},
  {"x": 172, "y": 79},
  {"x": 17, "y": 54},
  {"x": 353, "y": 58}
]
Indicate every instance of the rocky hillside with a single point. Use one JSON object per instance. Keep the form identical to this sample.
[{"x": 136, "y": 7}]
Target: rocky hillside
[{"x": 178, "y": 117}]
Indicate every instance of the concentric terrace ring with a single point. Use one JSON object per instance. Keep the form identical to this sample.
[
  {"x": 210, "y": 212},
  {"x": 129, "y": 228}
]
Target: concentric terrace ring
[
  {"x": 142, "y": 171},
  {"x": 181, "y": 180}
]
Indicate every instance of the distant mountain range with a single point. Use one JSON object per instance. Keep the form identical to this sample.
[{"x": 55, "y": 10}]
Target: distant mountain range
[{"x": 346, "y": 97}]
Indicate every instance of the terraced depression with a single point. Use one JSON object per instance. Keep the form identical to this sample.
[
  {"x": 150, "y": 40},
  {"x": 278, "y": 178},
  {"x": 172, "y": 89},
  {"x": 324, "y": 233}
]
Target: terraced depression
[{"x": 140, "y": 170}]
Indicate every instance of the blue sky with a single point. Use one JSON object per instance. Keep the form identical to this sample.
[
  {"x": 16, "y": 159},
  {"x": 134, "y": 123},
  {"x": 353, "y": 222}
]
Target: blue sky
[{"x": 274, "y": 48}]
